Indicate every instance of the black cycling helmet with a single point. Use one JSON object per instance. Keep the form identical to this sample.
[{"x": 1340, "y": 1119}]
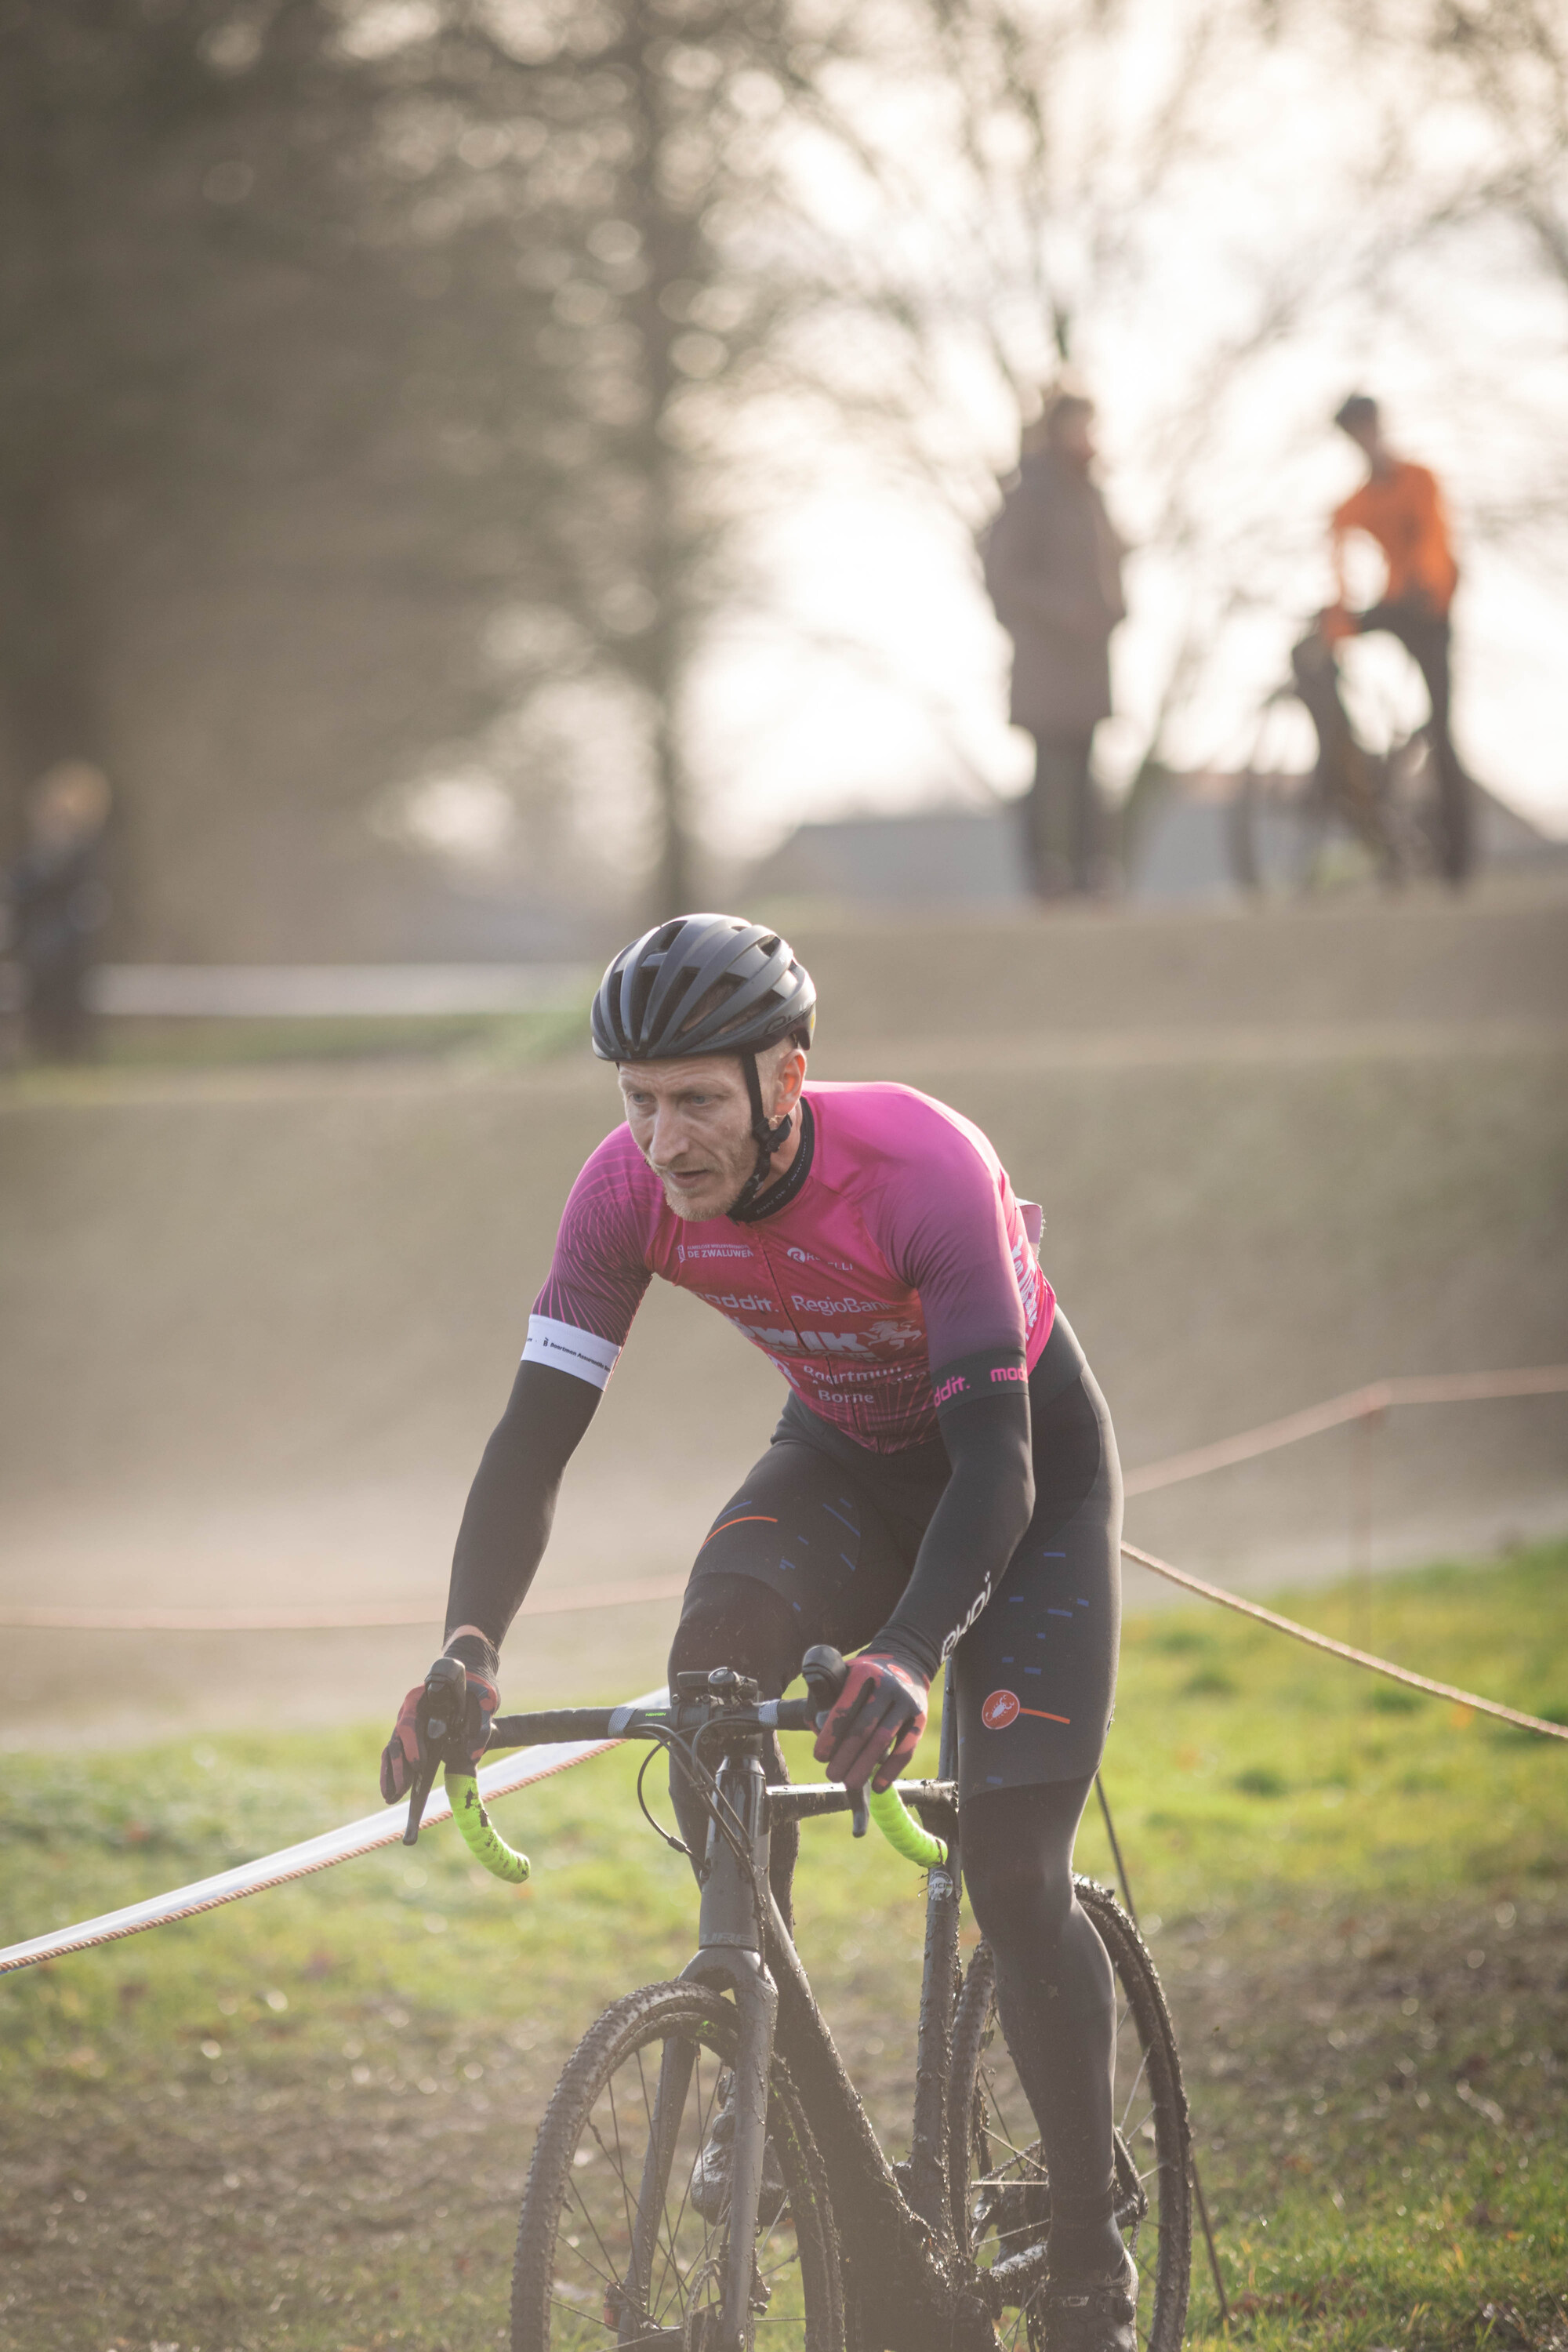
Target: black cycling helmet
[
  {"x": 708, "y": 985},
  {"x": 701, "y": 984}
]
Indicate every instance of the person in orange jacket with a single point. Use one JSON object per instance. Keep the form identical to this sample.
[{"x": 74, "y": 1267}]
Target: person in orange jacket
[{"x": 1400, "y": 506}]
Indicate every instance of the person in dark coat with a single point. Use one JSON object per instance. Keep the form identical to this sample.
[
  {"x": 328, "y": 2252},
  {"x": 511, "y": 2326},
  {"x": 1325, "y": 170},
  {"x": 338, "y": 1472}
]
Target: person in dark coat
[
  {"x": 1053, "y": 571},
  {"x": 56, "y": 902}
]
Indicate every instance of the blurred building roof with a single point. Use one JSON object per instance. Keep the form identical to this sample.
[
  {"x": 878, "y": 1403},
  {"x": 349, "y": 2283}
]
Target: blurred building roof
[{"x": 970, "y": 857}]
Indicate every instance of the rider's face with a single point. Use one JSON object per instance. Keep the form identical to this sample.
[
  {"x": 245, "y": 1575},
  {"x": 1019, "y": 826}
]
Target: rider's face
[{"x": 692, "y": 1120}]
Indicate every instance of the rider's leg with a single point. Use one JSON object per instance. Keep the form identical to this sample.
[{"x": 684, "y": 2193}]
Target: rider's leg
[
  {"x": 1033, "y": 1684},
  {"x": 1429, "y": 641},
  {"x": 798, "y": 1555},
  {"x": 1426, "y": 637},
  {"x": 1057, "y": 1997}
]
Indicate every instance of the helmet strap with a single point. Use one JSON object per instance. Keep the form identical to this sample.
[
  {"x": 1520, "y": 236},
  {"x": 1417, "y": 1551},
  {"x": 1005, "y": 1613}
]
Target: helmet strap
[{"x": 769, "y": 1139}]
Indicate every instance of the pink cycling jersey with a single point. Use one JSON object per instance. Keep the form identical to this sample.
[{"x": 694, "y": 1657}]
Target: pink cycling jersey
[{"x": 903, "y": 1256}]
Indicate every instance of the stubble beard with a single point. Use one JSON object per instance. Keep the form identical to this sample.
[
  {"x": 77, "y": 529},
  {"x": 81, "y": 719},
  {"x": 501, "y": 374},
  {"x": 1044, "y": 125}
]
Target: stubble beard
[{"x": 690, "y": 1213}]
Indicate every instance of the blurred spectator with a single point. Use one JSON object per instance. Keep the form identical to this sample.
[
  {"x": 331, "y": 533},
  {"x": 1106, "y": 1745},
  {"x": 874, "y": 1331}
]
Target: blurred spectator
[
  {"x": 1400, "y": 506},
  {"x": 56, "y": 900},
  {"x": 1053, "y": 571}
]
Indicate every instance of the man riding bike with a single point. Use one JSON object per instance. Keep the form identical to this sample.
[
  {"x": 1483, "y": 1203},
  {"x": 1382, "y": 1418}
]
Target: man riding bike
[
  {"x": 1401, "y": 507},
  {"x": 943, "y": 1482}
]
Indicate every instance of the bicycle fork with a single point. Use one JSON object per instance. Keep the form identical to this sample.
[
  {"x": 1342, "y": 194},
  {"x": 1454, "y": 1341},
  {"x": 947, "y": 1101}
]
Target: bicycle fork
[{"x": 729, "y": 1957}]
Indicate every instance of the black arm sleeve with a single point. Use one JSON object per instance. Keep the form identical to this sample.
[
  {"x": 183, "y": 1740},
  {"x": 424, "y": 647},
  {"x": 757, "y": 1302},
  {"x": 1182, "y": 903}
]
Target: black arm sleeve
[
  {"x": 511, "y": 1502},
  {"x": 974, "y": 1531}
]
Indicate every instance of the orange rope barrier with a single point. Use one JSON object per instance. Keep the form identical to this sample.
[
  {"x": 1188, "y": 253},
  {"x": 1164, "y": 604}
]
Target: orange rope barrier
[
  {"x": 1356, "y": 1404},
  {"x": 1341, "y": 1649}
]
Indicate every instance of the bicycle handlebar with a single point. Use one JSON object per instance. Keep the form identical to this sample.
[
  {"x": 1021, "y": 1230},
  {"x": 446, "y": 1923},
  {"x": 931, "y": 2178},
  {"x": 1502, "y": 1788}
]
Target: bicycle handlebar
[
  {"x": 571, "y": 1723},
  {"x": 723, "y": 1699}
]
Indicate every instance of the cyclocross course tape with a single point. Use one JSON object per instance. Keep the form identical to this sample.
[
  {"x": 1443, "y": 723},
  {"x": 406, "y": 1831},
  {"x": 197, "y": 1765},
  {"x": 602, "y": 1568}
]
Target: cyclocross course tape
[
  {"x": 355, "y": 1838},
  {"x": 1355, "y": 1657}
]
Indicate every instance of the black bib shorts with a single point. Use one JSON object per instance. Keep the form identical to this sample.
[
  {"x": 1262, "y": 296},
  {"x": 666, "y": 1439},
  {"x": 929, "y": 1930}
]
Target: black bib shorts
[{"x": 833, "y": 1529}]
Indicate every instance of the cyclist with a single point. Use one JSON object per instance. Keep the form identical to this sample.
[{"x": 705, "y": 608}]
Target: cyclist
[
  {"x": 942, "y": 1481},
  {"x": 1400, "y": 506}
]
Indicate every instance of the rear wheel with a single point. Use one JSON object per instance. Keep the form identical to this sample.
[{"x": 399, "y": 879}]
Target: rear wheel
[
  {"x": 1000, "y": 2190},
  {"x": 611, "y": 2249}
]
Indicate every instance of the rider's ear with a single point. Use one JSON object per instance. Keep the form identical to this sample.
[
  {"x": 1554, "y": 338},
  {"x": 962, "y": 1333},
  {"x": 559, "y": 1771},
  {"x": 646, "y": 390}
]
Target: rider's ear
[{"x": 788, "y": 1076}]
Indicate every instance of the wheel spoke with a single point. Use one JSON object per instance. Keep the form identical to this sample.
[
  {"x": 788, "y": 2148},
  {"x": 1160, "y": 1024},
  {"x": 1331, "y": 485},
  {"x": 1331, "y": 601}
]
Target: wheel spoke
[
  {"x": 1132, "y": 2093},
  {"x": 620, "y": 2169},
  {"x": 573, "y": 2312},
  {"x": 608, "y": 2273}
]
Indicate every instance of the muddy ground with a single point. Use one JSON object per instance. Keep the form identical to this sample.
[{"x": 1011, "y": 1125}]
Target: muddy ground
[{"x": 1325, "y": 2053}]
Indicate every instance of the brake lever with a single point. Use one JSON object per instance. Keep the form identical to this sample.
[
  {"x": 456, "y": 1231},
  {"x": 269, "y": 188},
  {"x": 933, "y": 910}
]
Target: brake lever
[
  {"x": 419, "y": 1798},
  {"x": 446, "y": 1690},
  {"x": 825, "y": 1675}
]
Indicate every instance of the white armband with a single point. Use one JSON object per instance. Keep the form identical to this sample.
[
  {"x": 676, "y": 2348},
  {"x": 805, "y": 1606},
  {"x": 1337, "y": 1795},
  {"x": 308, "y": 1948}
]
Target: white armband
[{"x": 582, "y": 1353}]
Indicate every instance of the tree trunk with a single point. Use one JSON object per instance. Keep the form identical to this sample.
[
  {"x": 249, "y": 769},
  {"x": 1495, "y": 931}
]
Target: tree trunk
[
  {"x": 673, "y": 889},
  {"x": 670, "y": 243}
]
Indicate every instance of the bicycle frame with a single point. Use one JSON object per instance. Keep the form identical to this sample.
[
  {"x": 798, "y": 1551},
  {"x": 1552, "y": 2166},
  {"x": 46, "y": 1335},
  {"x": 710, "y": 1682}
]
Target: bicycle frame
[{"x": 900, "y": 2262}]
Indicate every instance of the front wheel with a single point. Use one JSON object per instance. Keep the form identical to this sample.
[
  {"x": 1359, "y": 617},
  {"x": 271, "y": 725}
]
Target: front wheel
[
  {"x": 1001, "y": 2195},
  {"x": 611, "y": 2250}
]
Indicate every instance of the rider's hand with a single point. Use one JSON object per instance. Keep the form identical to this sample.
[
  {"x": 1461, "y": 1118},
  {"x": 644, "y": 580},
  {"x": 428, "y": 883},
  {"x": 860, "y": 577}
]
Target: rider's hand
[
  {"x": 875, "y": 1724},
  {"x": 400, "y": 1757}
]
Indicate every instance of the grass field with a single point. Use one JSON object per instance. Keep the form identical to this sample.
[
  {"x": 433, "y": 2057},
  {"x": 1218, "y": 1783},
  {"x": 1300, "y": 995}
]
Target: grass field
[{"x": 304, "y": 2121}]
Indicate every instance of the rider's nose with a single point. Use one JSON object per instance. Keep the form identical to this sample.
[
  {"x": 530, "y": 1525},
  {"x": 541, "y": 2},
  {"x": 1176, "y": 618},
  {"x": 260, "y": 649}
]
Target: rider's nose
[{"x": 668, "y": 1140}]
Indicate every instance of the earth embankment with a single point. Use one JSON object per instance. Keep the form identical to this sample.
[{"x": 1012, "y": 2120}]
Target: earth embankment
[{"x": 254, "y": 1326}]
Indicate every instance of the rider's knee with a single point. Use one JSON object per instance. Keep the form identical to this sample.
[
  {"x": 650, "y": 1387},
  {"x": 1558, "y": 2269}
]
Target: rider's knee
[
  {"x": 735, "y": 1621},
  {"x": 1017, "y": 1860}
]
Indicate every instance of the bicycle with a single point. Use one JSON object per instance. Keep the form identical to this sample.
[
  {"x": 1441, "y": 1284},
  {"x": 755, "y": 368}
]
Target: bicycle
[
  {"x": 814, "y": 2242},
  {"x": 1283, "y": 827}
]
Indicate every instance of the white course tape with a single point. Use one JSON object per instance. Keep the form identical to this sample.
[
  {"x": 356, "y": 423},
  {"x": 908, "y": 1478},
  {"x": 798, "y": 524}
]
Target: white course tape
[{"x": 384, "y": 1828}]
